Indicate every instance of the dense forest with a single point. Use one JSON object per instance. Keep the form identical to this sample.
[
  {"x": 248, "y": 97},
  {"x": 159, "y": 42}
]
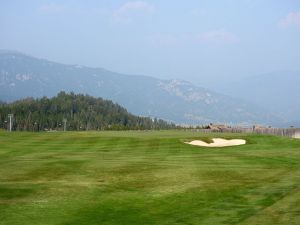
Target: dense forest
[{"x": 73, "y": 112}]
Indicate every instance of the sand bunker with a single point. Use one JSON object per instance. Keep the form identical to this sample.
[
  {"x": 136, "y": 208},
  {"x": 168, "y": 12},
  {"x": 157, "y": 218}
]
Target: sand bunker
[
  {"x": 218, "y": 142},
  {"x": 297, "y": 135}
]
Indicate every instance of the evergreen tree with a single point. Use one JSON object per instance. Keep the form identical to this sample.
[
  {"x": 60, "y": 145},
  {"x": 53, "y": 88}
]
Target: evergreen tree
[{"x": 82, "y": 112}]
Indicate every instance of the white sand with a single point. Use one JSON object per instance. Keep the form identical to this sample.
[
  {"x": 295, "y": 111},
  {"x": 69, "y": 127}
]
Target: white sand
[
  {"x": 218, "y": 142},
  {"x": 297, "y": 135}
]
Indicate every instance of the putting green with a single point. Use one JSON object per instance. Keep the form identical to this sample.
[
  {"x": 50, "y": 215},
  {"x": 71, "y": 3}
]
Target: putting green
[{"x": 147, "y": 177}]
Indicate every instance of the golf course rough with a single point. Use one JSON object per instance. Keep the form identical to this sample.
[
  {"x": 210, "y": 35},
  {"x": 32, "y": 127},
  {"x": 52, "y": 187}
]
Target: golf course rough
[{"x": 147, "y": 177}]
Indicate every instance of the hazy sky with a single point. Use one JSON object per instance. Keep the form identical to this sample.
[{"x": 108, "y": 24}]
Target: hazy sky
[{"x": 195, "y": 40}]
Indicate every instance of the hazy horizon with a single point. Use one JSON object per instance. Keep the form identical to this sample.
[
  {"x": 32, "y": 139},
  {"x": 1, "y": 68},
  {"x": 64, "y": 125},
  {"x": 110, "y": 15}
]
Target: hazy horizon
[{"x": 198, "y": 41}]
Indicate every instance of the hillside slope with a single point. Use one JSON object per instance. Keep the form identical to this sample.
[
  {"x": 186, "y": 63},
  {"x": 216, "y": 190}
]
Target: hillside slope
[
  {"x": 277, "y": 91},
  {"x": 73, "y": 112},
  {"x": 173, "y": 100}
]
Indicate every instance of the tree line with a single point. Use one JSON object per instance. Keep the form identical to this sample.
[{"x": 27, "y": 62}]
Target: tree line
[{"x": 73, "y": 112}]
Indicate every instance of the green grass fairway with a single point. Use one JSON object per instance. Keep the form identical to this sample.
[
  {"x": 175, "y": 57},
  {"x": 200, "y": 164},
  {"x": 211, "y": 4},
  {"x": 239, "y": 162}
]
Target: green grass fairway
[{"x": 147, "y": 177}]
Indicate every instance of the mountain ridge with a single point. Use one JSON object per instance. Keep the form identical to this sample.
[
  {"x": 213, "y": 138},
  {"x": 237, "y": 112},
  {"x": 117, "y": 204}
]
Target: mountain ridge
[
  {"x": 173, "y": 100},
  {"x": 278, "y": 91}
]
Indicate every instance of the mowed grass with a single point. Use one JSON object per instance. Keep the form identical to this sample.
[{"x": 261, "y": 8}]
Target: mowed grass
[{"x": 147, "y": 177}]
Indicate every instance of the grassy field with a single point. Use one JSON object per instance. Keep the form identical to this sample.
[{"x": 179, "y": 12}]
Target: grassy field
[{"x": 147, "y": 177}]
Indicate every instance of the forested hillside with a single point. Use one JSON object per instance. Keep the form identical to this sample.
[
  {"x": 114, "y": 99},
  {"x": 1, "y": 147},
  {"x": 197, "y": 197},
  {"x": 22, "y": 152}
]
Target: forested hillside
[
  {"x": 76, "y": 111},
  {"x": 174, "y": 100}
]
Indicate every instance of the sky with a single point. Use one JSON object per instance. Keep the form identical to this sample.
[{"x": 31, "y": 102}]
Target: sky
[{"x": 202, "y": 41}]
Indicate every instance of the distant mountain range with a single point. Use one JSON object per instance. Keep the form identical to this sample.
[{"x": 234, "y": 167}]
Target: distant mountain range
[
  {"x": 277, "y": 91},
  {"x": 173, "y": 100}
]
